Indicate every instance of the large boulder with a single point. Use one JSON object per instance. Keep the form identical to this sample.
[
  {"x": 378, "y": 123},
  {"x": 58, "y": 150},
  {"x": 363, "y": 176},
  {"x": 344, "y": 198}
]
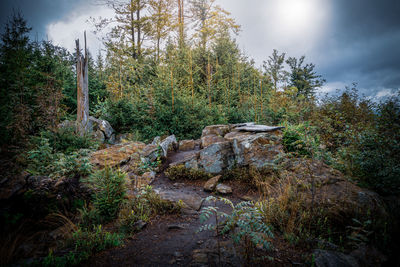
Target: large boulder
[
  {"x": 326, "y": 258},
  {"x": 217, "y": 157},
  {"x": 256, "y": 150},
  {"x": 103, "y": 126},
  {"x": 116, "y": 155}
]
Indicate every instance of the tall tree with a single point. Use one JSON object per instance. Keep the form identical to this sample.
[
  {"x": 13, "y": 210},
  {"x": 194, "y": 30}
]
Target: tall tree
[
  {"x": 303, "y": 77},
  {"x": 274, "y": 67},
  {"x": 161, "y": 16},
  {"x": 210, "y": 21}
]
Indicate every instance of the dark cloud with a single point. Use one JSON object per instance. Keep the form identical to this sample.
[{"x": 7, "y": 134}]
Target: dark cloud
[{"x": 39, "y": 13}]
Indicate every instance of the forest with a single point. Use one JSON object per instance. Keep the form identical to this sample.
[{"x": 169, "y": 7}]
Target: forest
[{"x": 174, "y": 67}]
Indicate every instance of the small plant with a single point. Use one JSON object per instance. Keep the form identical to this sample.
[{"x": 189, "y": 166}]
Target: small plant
[
  {"x": 109, "y": 191},
  {"x": 245, "y": 223}
]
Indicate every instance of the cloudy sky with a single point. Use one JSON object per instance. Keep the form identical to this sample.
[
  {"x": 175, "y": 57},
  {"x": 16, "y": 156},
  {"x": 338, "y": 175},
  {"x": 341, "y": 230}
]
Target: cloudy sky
[{"x": 348, "y": 40}]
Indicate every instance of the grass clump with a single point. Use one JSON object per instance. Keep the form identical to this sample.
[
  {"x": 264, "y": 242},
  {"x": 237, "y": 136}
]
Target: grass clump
[
  {"x": 82, "y": 245},
  {"x": 141, "y": 208},
  {"x": 180, "y": 172}
]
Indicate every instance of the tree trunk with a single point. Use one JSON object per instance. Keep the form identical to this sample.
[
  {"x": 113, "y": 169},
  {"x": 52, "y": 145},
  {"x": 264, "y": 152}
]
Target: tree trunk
[{"x": 82, "y": 81}]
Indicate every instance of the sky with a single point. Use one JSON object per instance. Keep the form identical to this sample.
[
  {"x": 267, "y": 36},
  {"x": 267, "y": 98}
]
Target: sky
[{"x": 348, "y": 40}]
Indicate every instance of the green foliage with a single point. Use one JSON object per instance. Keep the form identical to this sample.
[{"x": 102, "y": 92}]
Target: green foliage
[
  {"x": 66, "y": 140},
  {"x": 300, "y": 139},
  {"x": 42, "y": 160},
  {"x": 109, "y": 191},
  {"x": 82, "y": 245},
  {"x": 246, "y": 223},
  {"x": 180, "y": 172}
]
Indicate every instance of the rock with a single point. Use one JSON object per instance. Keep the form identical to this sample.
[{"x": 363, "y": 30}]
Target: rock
[
  {"x": 124, "y": 138},
  {"x": 139, "y": 225},
  {"x": 257, "y": 150},
  {"x": 149, "y": 176},
  {"x": 189, "y": 159},
  {"x": 210, "y": 185},
  {"x": 102, "y": 125},
  {"x": 216, "y": 157},
  {"x": 258, "y": 128},
  {"x": 116, "y": 155},
  {"x": 218, "y": 130},
  {"x": 168, "y": 144},
  {"x": 368, "y": 256},
  {"x": 210, "y": 139},
  {"x": 156, "y": 141},
  {"x": 150, "y": 153},
  {"x": 192, "y": 201},
  {"x": 186, "y": 145},
  {"x": 326, "y": 258},
  {"x": 99, "y": 136},
  {"x": 223, "y": 189},
  {"x": 176, "y": 227}
]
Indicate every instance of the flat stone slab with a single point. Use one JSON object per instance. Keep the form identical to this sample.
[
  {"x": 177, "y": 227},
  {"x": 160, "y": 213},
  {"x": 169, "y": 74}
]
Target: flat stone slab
[
  {"x": 258, "y": 128},
  {"x": 192, "y": 200}
]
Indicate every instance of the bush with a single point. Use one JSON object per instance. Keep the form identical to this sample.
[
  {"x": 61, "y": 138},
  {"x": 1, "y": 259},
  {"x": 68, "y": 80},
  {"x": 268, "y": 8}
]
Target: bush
[
  {"x": 109, "y": 191},
  {"x": 180, "y": 172},
  {"x": 66, "y": 141},
  {"x": 42, "y": 160},
  {"x": 300, "y": 139}
]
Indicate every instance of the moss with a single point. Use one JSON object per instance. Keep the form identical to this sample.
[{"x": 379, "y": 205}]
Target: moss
[{"x": 180, "y": 172}]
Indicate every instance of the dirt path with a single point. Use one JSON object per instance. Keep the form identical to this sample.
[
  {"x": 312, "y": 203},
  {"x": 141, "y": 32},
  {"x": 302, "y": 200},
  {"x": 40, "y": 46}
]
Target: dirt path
[{"x": 174, "y": 240}]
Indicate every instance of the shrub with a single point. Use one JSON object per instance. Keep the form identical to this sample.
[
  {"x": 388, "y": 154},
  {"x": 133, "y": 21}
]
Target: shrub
[
  {"x": 109, "y": 191},
  {"x": 180, "y": 172},
  {"x": 300, "y": 139},
  {"x": 66, "y": 141}
]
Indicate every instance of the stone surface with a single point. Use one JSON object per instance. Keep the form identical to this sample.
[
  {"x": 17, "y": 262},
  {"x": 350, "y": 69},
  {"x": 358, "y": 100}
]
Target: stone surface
[
  {"x": 168, "y": 144},
  {"x": 218, "y": 130},
  {"x": 326, "y": 258},
  {"x": 12, "y": 185},
  {"x": 258, "y": 128},
  {"x": 210, "y": 139},
  {"x": 223, "y": 189},
  {"x": 216, "y": 157},
  {"x": 191, "y": 201},
  {"x": 116, "y": 155},
  {"x": 102, "y": 125},
  {"x": 99, "y": 136},
  {"x": 210, "y": 185},
  {"x": 257, "y": 150},
  {"x": 186, "y": 145}
]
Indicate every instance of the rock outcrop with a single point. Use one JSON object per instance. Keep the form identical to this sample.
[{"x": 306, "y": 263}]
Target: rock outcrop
[{"x": 239, "y": 145}]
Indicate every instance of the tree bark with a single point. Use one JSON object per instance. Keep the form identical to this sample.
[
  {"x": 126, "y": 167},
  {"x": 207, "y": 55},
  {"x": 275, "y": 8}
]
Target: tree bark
[{"x": 82, "y": 82}]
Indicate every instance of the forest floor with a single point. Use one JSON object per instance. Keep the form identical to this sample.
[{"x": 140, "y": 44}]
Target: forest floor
[{"x": 174, "y": 240}]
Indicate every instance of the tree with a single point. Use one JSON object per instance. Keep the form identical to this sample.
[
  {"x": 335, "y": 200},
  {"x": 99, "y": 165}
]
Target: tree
[
  {"x": 274, "y": 67},
  {"x": 16, "y": 94},
  {"x": 161, "y": 16},
  {"x": 210, "y": 21},
  {"x": 130, "y": 26},
  {"x": 303, "y": 77}
]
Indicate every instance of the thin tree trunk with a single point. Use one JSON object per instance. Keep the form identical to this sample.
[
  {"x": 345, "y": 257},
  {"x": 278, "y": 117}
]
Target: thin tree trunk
[{"x": 82, "y": 89}]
